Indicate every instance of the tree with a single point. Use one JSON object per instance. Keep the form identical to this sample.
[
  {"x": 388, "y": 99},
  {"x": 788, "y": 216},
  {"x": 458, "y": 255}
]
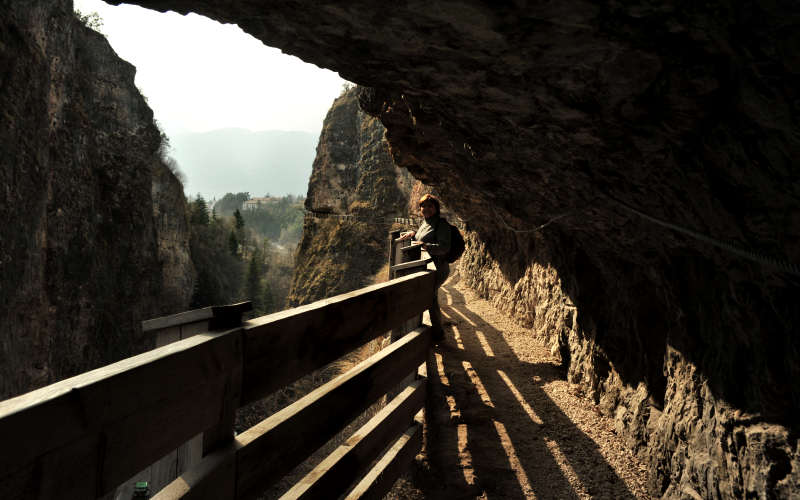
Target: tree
[
  {"x": 230, "y": 202},
  {"x": 199, "y": 211},
  {"x": 91, "y": 20},
  {"x": 252, "y": 285},
  {"x": 233, "y": 244},
  {"x": 239, "y": 219}
]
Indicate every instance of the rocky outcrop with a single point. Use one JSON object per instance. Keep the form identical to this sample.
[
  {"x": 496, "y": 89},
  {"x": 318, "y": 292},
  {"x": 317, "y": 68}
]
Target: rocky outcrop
[
  {"x": 353, "y": 173},
  {"x": 178, "y": 274},
  {"x": 82, "y": 260},
  {"x": 656, "y": 144}
]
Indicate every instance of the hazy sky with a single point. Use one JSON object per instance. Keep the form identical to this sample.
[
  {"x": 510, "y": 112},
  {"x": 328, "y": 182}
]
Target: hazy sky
[{"x": 200, "y": 75}]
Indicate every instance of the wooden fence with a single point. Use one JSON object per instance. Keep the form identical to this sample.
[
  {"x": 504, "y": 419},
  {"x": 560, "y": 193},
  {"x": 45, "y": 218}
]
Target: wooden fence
[{"x": 82, "y": 437}]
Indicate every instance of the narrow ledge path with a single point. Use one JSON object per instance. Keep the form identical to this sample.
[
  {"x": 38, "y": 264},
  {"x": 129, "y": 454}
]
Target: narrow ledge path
[{"x": 504, "y": 423}]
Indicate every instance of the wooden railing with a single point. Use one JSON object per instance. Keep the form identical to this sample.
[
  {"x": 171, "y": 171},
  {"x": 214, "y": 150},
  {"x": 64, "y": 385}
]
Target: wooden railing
[
  {"x": 82, "y": 437},
  {"x": 166, "y": 330}
]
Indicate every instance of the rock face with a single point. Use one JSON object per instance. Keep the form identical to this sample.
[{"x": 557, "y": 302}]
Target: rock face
[
  {"x": 654, "y": 141},
  {"x": 83, "y": 256},
  {"x": 353, "y": 173}
]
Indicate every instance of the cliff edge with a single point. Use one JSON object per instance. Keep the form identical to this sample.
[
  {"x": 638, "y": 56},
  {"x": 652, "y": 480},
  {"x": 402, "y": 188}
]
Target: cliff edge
[{"x": 88, "y": 249}]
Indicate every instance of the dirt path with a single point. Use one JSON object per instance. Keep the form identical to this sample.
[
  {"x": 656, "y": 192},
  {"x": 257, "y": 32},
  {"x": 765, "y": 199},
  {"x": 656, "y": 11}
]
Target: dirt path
[{"x": 504, "y": 422}]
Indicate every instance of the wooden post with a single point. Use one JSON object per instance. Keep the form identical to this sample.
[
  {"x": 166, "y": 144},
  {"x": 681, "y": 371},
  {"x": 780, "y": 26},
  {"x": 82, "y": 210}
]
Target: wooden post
[
  {"x": 393, "y": 235},
  {"x": 172, "y": 329}
]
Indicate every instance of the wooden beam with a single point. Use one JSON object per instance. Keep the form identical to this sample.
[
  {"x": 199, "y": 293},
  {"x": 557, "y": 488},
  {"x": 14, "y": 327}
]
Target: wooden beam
[
  {"x": 267, "y": 451},
  {"x": 103, "y": 426},
  {"x": 183, "y": 318},
  {"x": 213, "y": 479},
  {"x": 414, "y": 263},
  {"x": 275, "y": 446},
  {"x": 333, "y": 476},
  {"x": 282, "y": 347},
  {"x": 222, "y": 317},
  {"x": 384, "y": 474}
]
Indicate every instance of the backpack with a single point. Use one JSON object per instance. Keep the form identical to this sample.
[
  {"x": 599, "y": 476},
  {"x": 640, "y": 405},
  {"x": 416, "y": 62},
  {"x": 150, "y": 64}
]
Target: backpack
[{"x": 456, "y": 244}]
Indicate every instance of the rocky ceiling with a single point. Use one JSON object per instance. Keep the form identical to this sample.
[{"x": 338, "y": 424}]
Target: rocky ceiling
[
  {"x": 595, "y": 113},
  {"x": 657, "y": 141}
]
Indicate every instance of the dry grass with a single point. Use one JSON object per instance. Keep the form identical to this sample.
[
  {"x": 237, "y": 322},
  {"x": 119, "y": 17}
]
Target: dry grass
[{"x": 254, "y": 413}]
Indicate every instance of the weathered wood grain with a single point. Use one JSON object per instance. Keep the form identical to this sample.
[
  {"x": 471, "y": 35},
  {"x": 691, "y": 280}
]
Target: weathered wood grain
[
  {"x": 219, "y": 317},
  {"x": 421, "y": 263},
  {"x": 214, "y": 478},
  {"x": 276, "y": 445},
  {"x": 132, "y": 412},
  {"x": 384, "y": 474},
  {"x": 182, "y": 318},
  {"x": 282, "y": 347},
  {"x": 265, "y": 452},
  {"x": 333, "y": 476},
  {"x": 168, "y": 335}
]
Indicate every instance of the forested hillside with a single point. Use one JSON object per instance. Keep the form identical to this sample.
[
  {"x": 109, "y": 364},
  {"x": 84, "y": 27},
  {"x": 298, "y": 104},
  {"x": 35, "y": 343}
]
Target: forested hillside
[{"x": 244, "y": 254}]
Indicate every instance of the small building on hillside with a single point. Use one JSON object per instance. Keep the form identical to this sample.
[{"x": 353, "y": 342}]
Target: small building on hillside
[{"x": 254, "y": 203}]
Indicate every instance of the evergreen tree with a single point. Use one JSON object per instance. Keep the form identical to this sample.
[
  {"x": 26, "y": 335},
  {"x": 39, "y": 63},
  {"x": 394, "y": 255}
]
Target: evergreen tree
[
  {"x": 239, "y": 219},
  {"x": 233, "y": 244},
  {"x": 253, "y": 289},
  {"x": 199, "y": 211},
  {"x": 267, "y": 301}
]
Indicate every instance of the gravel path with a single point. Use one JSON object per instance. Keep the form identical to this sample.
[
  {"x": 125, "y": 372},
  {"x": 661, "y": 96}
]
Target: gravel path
[{"x": 504, "y": 423}]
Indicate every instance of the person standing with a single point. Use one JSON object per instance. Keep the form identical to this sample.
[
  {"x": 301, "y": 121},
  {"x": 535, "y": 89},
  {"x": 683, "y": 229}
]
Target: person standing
[{"x": 434, "y": 236}]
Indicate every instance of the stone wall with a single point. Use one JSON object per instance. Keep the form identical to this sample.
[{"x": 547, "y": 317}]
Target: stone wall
[{"x": 710, "y": 417}]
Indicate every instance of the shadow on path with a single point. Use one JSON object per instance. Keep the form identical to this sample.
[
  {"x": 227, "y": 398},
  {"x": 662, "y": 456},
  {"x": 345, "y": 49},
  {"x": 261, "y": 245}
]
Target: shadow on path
[{"x": 493, "y": 431}]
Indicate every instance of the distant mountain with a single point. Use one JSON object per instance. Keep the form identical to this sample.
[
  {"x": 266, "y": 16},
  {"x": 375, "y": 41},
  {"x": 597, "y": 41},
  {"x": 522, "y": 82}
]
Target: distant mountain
[{"x": 234, "y": 160}]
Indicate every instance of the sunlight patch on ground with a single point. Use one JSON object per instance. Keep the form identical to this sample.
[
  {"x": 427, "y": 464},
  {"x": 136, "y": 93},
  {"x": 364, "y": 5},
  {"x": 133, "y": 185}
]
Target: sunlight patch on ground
[
  {"x": 565, "y": 467},
  {"x": 464, "y": 317},
  {"x": 464, "y": 456},
  {"x": 440, "y": 368},
  {"x": 525, "y": 406},
  {"x": 457, "y": 337},
  {"x": 484, "y": 343},
  {"x": 476, "y": 381},
  {"x": 513, "y": 460}
]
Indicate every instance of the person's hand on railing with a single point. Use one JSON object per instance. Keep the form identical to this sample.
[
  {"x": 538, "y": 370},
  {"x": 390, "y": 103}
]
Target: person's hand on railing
[{"x": 406, "y": 235}]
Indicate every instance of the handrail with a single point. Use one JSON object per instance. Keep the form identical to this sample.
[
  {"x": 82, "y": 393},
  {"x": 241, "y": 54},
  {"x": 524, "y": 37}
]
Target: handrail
[
  {"x": 267, "y": 451},
  {"x": 81, "y": 437},
  {"x": 423, "y": 263}
]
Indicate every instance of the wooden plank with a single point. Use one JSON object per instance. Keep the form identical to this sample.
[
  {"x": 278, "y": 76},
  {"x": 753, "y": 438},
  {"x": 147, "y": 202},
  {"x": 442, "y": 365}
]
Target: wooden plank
[
  {"x": 382, "y": 477},
  {"x": 190, "y": 454},
  {"x": 134, "y": 411},
  {"x": 168, "y": 336},
  {"x": 224, "y": 317},
  {"x": 414, "y": 263},
  {"x": 192, "y": 316},
  {"x": 52, "y": 475},
  {"x": 392, "y": 250},
  {"x": 276, "y": 445},
  {"x": 265, "y": 452},
  {"x": 222, "y": 432},
  {"x": 340, "y": 469},
  {"x": 191, "y": 329},
  {"x": 214, "y": 478},
  {"x": 282, "y": 347}
]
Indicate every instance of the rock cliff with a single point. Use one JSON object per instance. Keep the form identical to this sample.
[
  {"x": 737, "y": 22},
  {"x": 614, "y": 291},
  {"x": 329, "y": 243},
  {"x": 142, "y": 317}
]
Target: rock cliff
[
  {"x": 94, "y": 231},
  {"x": 353, "y": 173},
  {"x": 653, "y": 144}
]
